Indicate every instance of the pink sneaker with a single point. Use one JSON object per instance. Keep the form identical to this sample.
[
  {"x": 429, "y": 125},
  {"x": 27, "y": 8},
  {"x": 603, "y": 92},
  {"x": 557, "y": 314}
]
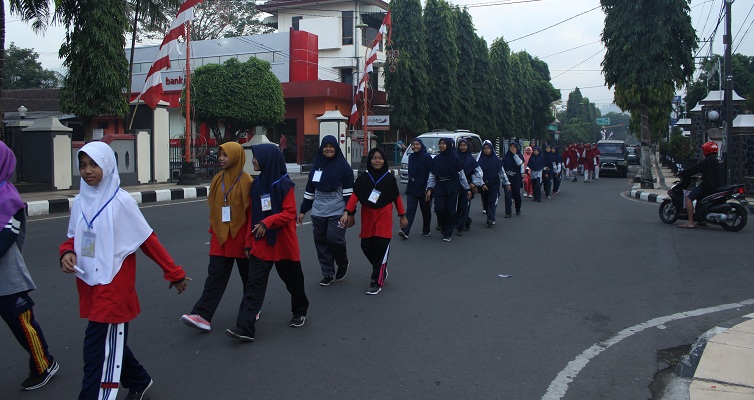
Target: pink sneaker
[{"x": 195, "y": 321}]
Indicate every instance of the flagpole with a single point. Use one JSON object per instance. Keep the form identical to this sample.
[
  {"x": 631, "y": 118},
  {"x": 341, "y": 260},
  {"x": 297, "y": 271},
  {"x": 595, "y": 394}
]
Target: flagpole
[{"x": 188, "y": 172}]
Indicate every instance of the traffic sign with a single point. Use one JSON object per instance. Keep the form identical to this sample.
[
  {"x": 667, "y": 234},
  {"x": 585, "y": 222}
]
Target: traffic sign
[
  {"x": 342, "y": 138},
  {"x": 603, "y": 121}
]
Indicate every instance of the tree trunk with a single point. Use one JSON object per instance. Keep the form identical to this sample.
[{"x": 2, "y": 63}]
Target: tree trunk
[{"x": 646, "y": 170}]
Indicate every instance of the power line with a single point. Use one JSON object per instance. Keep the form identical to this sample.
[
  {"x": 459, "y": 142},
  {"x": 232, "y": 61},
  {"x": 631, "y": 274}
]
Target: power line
[
  {"x": 744, "y": 36},
  {"x": 542, "y": 30},
  {"x": 742, "y": 25},
  {"x": 590, "y": 57},
  {"x": 574, "y": 48}
]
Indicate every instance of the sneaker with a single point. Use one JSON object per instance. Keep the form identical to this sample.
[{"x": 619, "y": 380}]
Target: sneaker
[
  {"x": 326, "y": 280},
  {"x": 36, "y": 382},
  {"x": 484, "y": 211},
  {"x": 507, "y": 215},
  {"x": 425, "y": 234},
  {"x": 548, "y": 197},
  {"x": 518, "y": 212},
  {"x": 342, "y": 272},
  {"x": 196, "y": 321},
  {"x": 374, "y": 288},
  {"x": 446, "y": 238},
  {"x": 139, "y": 394},
  {"x": 489, "y": 224},
  {"x": 460, "y": 232},
  {"x": 402, "y": 234},
  {"x": 240, "y": 334},
  {"x": 297, "y": 321}
]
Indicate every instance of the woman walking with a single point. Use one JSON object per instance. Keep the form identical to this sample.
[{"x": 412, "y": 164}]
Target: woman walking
[
  {"x": 514, "y": 167},
  {"x": 446, "y": 178},
  {"x": 377, "y": 191},
  {"x": 473, "y": 174},
  {"x": 536, "y": 165},
  {"x": 328, "y": 189},
  {"x": 228, "y": 201},
  {"x": 419, "y": 163},
  {"x": 492, "y": 170}
]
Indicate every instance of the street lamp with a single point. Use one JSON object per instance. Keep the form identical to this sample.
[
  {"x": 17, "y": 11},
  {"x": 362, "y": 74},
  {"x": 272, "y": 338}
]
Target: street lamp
[{"x": 22, "y": 112}]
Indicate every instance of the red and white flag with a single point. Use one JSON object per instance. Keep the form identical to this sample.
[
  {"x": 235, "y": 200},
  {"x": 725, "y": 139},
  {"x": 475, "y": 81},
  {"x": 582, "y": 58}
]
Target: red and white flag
[
  {"x": 371, "y": 57},
  {"x": 152, "y": 92}
]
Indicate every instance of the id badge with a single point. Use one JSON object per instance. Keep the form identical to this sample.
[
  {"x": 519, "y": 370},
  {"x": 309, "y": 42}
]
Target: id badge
[
  {"x": 226, "y": 214},
  {"x": 87, "y": 247},
  {"x": 317, "y": 176},
  {"x": 266, "y": 204},
  {"x": 374, "y": 196}
]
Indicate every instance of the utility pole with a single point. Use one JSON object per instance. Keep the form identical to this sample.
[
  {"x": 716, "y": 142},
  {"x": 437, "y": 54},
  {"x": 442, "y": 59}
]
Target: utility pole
[{"x": 728, "y": 148}]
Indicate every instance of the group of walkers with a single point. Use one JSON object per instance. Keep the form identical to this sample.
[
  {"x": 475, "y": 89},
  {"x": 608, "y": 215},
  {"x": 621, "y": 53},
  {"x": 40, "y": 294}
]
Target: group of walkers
[
  {"x": 582, "y": 159},
  {"x": 252, "y": 226}
]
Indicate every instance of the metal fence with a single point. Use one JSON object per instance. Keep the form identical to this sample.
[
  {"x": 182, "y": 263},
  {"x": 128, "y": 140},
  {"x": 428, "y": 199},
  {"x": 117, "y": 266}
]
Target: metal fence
[{"x": 203, "y": 157}]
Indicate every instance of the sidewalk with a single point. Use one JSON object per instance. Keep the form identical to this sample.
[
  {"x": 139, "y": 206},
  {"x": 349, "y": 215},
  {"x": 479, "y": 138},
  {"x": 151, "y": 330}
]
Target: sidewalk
[{"x": 719, "y": 364}]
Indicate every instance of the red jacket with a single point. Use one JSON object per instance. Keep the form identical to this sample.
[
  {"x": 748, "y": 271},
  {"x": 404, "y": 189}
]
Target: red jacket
[
  {"x": 376, "y": 221},
  {"x": 117, "y": 302},
  {"x": 286, "y": 243}
]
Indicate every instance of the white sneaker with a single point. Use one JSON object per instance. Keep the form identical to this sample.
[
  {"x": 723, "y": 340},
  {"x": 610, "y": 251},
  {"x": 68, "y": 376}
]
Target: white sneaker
[{"x": 196, "y": 321}]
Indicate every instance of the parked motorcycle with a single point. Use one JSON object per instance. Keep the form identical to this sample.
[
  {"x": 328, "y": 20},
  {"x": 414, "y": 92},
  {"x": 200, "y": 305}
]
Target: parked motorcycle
[{"x": 726, "y": 207}]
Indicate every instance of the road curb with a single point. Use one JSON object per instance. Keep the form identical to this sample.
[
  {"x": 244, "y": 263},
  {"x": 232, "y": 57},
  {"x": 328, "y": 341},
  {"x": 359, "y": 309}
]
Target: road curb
[
  {"x": 686, "y": 368},
  {"x": 637, "y": 193},
  {"x": 44, "y": 207}
]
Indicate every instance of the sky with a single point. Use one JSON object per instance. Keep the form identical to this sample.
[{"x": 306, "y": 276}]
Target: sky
[{"x": 571, "y": 47}]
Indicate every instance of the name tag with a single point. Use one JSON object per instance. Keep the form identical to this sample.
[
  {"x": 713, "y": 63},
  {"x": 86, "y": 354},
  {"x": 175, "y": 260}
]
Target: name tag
[
  {"x": 317, "y": 176},
  {"x": 87, "y": 247},
  {"x": 266, "y": 203},
  {"x": 226, "y": 214},
  {"x": 374, "y": 196}
]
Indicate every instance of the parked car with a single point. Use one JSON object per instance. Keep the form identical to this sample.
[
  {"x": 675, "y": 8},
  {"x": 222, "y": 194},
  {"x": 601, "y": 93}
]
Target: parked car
[
  {"x": 613, "y": 157},
  {"x": 634, "y": 155},
  {"x": 431, "y": 140}
]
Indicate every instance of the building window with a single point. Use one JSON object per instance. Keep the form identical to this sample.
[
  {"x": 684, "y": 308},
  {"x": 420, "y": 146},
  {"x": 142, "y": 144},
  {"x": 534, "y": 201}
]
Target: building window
[
  {"x": 346, "y": 75},
  {"x": 294, "y": 22},
  {"x": 347, "y": 26},
  {"x": 374, "y": 79}
]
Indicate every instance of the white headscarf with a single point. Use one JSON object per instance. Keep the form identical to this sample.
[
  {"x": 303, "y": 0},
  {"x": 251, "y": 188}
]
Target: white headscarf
[{"x": 119, "y": 229}]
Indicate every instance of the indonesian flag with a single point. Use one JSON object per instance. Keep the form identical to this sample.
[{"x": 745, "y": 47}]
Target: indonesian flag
[
  {"x": 152, "y": 92},
  {"x": 371, "y": 57}
]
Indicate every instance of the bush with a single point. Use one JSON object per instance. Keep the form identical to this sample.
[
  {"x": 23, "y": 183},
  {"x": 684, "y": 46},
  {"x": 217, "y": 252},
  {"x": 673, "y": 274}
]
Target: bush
[{"x": 680, "y": 148}]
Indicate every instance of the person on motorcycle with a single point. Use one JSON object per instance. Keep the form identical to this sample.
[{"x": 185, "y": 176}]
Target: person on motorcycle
[{"x": 709, "y": 167}]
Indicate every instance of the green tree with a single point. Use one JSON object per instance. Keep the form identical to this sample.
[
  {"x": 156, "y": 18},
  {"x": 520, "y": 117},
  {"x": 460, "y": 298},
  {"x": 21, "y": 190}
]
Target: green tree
[
  {"x": 650, "y": 46},
  {"x": 466, "y": 39},
  {"x": 523, "y": 92},
  {"x": 408, "y": 86},
  {"x": 483, "y": 91},
  {"x": 742, "y": 69},
  {"x": 444, "y": 95},
  {"x": 214, "y": 19},
  {"x": 235, "y": 96},
  {"x": 500, "y": 57},
  {"x": 37, "y": 12},
  {"x": 544, "y": 95},
  {"x": 97, "y": 78},
  {"x": 579, "y": 120},
  {"x": 23, "y": 71}
]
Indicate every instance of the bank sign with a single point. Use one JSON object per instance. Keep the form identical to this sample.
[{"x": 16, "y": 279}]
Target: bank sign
[{"x": 378, "y": 122}]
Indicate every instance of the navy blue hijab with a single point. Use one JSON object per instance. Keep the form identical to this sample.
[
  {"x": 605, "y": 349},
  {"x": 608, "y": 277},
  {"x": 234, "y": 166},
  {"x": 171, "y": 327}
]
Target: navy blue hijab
[
  {"x": 536, "y": 162},
  {"x": 548, "y": 157},
  {"x": 446, "y": 164},
  {"x": 419, "y": 163},
  {"x": 273, "y": 180},
  {"x": 509, "y": 163},
  {"x": 379, "y": 179},
  {"x": 491, "y": 164},
  {"x": 336, "y": 171},
  {"x": 469, "y": 162},
  {"x": 558, "y": 156}
]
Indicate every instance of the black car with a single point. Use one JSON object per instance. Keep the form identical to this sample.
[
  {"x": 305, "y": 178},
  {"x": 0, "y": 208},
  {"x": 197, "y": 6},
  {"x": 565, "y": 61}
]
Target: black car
[{"x": 634, "y": 155}]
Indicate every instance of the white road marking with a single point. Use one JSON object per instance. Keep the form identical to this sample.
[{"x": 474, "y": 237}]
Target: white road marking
[{"x": 559, "y": 386}]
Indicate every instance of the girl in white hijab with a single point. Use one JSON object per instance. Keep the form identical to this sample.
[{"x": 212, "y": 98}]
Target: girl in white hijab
[{"x": 105, "y": 230}]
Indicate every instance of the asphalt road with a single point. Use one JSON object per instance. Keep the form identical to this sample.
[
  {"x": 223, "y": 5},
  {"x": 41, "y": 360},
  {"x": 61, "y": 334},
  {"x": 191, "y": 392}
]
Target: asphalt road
[{"x": 591, "y": 273}]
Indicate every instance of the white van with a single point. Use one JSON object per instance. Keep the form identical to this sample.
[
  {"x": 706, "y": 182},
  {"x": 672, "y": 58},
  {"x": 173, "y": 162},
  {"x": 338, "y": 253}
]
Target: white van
[{"x": 431, "y": 140}]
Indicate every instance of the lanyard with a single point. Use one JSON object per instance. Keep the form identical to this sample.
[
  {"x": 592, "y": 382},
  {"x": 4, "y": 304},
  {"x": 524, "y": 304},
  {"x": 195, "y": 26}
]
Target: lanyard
[
  {"x": 273, "y": 184},
  {"x": 378, "y": 180},
  {"x": 225, "y": 194},
  {"x": 89, "y": 224}
]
